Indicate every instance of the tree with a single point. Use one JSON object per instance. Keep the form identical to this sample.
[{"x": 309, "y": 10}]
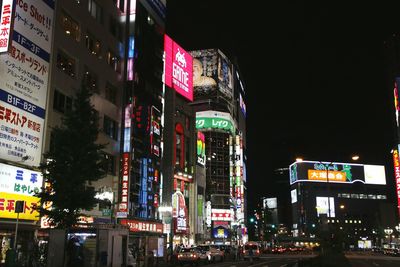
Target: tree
[{"x": 73, "y": 162}]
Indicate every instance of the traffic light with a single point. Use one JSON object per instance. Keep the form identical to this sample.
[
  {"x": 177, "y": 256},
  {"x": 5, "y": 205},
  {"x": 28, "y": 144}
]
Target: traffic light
[{"x": 252, "y": 220}]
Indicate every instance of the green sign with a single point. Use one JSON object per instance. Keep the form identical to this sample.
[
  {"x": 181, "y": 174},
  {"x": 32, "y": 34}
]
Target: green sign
[
  {"x": 215, "y": 123},
  {"x": 106, "y": 212}
]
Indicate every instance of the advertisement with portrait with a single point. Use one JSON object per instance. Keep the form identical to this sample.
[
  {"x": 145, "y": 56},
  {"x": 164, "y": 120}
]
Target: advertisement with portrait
[
  {"x": 335, "y": 172},
  {"x": 179, "y": 213},
  {"x": 205, "y": 73},
  {"x": 24, "y": 76},
  {"x": 220, "y": 229},
  {"x": 201, "y": 149}
]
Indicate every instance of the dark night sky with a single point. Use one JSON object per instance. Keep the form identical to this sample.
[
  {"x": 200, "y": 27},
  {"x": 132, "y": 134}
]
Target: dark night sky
[{"x": 314, "y": 72}]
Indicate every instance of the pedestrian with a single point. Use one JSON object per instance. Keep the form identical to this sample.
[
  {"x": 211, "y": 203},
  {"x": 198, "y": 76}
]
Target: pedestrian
[{"x": 251, "y": 255}]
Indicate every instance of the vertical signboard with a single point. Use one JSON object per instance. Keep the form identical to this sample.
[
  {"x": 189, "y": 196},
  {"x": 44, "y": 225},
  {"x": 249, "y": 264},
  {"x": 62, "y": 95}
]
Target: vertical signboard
[
  {"x": 6, "y": 21},
  {"x": 24, "y": 75},
  {"x": 123, "y": 206},
  {"x": 201, "y": 149},
  {"x": 178, "y": 68},
  {"x": 396, "y": 164}
]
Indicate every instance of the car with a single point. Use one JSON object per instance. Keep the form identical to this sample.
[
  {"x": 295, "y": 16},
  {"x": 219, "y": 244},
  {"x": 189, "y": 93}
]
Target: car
[
  {"x": 254, "y": 247},
  {"x": 212, "y": 253},
  {"x": 192, "y": 255}
]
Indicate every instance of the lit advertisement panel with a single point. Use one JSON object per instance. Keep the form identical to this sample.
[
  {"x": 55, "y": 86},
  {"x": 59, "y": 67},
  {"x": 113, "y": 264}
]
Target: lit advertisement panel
[
  {"x": 201, "y": 149},
  {"x": 212, "y": 72},
  {"x": 6, "y": 15},
  {"x": 215, "y": 120},
  {"x": 7, "y": 206},
  {"x": 315, "y": 171},
  {"x": 19, "y": 181},
  {"x": 24, "y": 73},
  {"x": 323, "y": 206},
  {"x": 396, "y": 99},
  {"x": 293, "y": 195},
  {"x": 178, "y": 68},
  {"x": 123, "y": 206},
  {"x": 396, "y": 164},
  {"x": 270, "y": 203},
  {"x": 225, "y": 75}
]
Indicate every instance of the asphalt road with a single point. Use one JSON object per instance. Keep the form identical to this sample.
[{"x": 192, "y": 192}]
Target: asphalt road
[{"x": 356, "y": 260}]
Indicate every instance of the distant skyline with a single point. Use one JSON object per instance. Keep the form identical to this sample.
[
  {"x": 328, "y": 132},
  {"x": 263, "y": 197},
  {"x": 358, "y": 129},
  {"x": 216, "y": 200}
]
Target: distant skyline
[{"x": 316, "y": 82}]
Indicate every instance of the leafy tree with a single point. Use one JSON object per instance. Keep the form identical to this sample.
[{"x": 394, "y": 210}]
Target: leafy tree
[{"x": 73, "y": 162}]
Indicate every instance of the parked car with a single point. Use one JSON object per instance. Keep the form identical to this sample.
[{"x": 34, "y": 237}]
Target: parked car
[
  {"x": 192, "y": 255},
  {"x": 254, "y": 247},
  {"x": 213, "y": 254}
]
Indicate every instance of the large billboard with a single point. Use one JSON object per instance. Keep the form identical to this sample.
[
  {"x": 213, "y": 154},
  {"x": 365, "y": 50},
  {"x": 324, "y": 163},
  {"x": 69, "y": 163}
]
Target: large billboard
[
  {"x": 6, "y": 15},
  {"x": 178, "y": 68},
  {"x": 335, "y": 172},
  {"x": 19, "y": 184},
  {"x": 24, "y": 75},
  {"x": 212, "y": 73},
  {"x": 215, "y": 120}
]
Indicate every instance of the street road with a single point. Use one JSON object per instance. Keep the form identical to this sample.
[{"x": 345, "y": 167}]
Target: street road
[{"x": 372, "y": 260}]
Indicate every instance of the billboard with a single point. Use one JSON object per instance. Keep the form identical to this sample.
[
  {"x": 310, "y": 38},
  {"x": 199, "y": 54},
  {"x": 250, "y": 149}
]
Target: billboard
[
  {"x": 215, "y": 120},
  {"x": 323, "y": 207},
  {"x": 178, "y": 72},
  {"x": 24, "y": 75},
  {"x": 335, "y": 172},
  {"x": 6, "y": 15},
  {"x": 19, "y": 184},
  {"x": 270, "y": 203},
  {"x": 293, "y": 195},
  {"x": 124, "y": 201},
  {"x": 201, "y": 149},
  {"x": 212, "y": 73}
]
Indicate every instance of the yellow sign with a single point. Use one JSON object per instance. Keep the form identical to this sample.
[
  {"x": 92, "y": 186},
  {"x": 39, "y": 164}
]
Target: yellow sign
[
  {"x": 7, "y": 206},
  {"x": 320, "y": 175}
]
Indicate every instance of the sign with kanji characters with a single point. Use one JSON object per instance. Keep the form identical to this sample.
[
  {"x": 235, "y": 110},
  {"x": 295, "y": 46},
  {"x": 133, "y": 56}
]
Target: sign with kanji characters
[
  {"x": 143, "y": 226},
  {"x": 125, "y": 168},
  {"x": 19, "y": 181},
  {"x": 7, "y": 206},
  {"x": 5, "y": 24},
  {"x": 221, "y": 215},
  {"x": 336, "y": 172},
  {"x": 396, "y": 165},
  {"x": 24, "y": 73}
]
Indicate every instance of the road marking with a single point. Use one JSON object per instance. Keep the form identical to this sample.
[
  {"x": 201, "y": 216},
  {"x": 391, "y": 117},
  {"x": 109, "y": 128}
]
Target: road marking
[{"x": 374, "y": 263}]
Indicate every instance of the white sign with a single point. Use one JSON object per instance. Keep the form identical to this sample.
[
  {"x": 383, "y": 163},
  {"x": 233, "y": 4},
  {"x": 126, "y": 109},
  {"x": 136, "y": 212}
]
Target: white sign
[
  {"x": 323, "y": 206},
  {"x": 24, "y": 73},
  {"x": 374, "y": 174},
  {"x": 221, "y": 215},
  {"x": 293, "y": 195},
  {"x": 271, "y": 203},
  {"x": 5, "y": 30},
  {"x": 208, "y": 213},
  {"x": 19, "y": 180}
]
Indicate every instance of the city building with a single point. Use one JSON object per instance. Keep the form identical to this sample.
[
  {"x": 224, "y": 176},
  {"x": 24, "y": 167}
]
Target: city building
[
  {"x": 219, "y": 102},
  {"x": 351, "y": 198}
]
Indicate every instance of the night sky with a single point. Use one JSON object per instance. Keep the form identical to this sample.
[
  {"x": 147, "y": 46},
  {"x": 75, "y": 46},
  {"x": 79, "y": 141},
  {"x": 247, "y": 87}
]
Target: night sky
[{"x": 315, "y": 76}]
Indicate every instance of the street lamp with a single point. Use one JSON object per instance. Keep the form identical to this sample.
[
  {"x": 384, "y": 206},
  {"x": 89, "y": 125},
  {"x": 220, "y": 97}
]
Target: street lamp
[{"x": 389, "y": 232}]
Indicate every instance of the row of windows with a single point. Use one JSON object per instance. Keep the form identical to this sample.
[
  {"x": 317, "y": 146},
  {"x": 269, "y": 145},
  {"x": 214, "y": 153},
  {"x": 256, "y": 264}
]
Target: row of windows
[
  {"x": 93, "y": 44},
  {"x": 90, "y": 78},
  {"x": 362, "y": 196}
]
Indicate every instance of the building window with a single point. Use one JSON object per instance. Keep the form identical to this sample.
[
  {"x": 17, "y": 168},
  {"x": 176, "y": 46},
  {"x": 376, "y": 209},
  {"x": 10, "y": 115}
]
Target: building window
[
  {"x": 66, "y": 63},
  {"x": 115, "y": 28},
  {"x": 110, "y": 127},
  {"x": 70, "y": 26},
  {"x": 92, "y": 44},
  {"x": 111, "y": 93},
  {"x": 90, "y": 80},
  {"x": 95, "y": 11},
  {"x": 179, "y": 146},
  {"x": 61, "y": 102},
  {"x": 114, "y": 61},
  {"x": 109, "y": 163}
]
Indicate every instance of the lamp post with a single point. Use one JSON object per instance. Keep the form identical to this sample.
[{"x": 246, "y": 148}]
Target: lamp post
[{"x": 389, "y": 232}]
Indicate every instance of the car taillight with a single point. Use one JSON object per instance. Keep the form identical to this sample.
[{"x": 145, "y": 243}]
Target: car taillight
[
  {"x": 257, "y": 251},
  {"x": 180, "y": 255}
]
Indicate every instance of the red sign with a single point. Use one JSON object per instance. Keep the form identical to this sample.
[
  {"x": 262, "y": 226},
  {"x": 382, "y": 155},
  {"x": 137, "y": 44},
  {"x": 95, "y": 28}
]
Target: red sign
[
  {"x": 396, "y": 164},
  {"x": 5, "y": 25},
  {"x": 123, "y": 206},
  {"x": 143, "y": 226},
  {"x": 178, "y": 68},
  {"x": 221, "y": 215}
]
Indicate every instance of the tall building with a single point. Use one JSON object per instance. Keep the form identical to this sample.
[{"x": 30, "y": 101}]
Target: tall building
[
  {"x": 219, "y": 101},
  {"x": 351, "y": 198}
]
